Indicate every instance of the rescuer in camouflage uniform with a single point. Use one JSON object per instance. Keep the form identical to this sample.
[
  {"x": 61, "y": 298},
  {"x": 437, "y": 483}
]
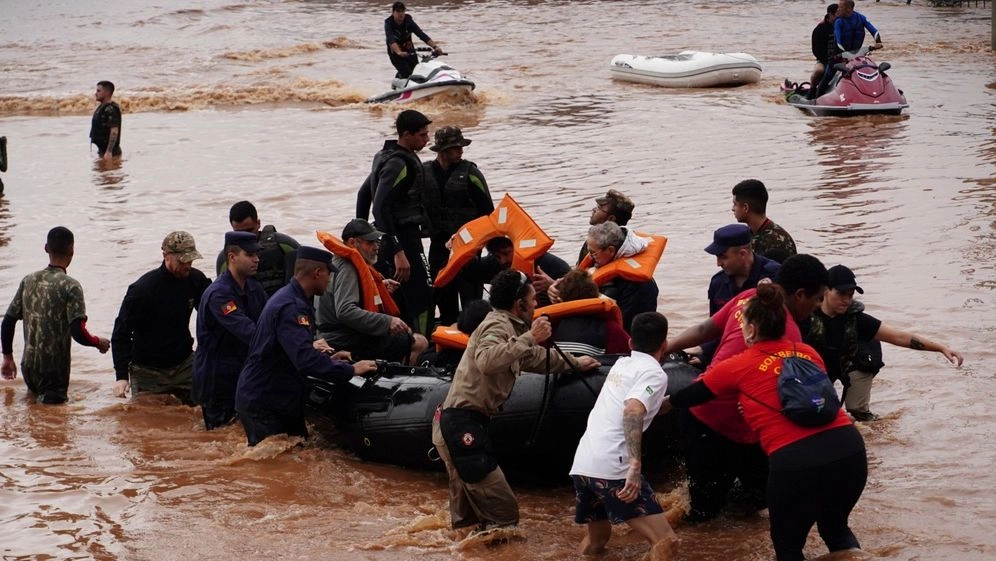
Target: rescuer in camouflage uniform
[
  {"x": 750, "y": 202},
  {"x": 51, "y": 304}
]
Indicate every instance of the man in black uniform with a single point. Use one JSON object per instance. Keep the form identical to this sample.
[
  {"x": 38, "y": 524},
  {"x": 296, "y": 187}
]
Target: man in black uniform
[
  {"x": 151, "y": 343},
  {"x": 272, "y": 388},
  {"x": 105, "y": 128},
  {"x": 399, "y": 28},
  {"x": 277, "y": 251},
  {"x": 392, "y": 192},
  {"x": 455, "y": 193}
]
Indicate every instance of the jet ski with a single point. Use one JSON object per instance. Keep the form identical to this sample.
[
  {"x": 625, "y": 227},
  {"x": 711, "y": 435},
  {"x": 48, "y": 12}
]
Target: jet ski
[
  {"x": 388, "y": 417},
  {"x": 859, "y": 87},
  {"x": 430, "y": 77}
]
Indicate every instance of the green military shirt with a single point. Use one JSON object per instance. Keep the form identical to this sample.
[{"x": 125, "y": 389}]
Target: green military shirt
[
  {"x": 48, "y": 301},
  {"x": 773, "y": 242}
]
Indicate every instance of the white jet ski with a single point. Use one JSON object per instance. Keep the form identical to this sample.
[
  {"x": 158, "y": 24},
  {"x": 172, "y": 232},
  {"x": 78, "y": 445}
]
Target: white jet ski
[{"x": 430, "y": 77}]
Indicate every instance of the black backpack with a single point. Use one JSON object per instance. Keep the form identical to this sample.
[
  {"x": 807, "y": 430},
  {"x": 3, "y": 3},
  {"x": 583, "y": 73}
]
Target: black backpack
[{"x": 807, "y": 395}]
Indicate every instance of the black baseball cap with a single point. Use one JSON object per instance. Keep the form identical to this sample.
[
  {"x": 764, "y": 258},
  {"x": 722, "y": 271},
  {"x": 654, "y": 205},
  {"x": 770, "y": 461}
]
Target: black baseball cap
[{"x": 842, "y": 279}]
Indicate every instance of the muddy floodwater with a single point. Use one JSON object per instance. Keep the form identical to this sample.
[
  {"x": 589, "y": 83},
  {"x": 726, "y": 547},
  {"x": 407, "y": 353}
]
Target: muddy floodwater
[{"x": 263, "y": 101}]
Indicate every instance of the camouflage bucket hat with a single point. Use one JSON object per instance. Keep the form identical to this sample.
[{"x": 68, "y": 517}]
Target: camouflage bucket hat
[
  {"x": 182, "y": 244},
  {"x": 448, "y": 137}
]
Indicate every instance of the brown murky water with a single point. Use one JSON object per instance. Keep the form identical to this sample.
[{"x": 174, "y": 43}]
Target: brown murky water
[{"x": 263, "y": 101}]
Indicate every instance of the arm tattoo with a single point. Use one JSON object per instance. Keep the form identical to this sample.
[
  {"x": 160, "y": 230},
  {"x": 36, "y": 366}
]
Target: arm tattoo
[
  {"x": 916, "y": 344},
  {"x": 633, "y": 429}
]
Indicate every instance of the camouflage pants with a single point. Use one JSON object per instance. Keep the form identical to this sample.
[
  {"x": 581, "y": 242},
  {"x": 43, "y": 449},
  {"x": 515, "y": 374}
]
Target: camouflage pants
[{"x": 176, "y": 380}]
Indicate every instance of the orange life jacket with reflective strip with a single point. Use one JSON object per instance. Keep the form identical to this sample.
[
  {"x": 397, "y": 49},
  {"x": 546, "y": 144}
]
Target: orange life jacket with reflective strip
[
  {"x": 447, "y": 337},
  {"x": 374, "y": 296},
  {"x": 529, "y": 241},
  {"x": 603, "y": 306},
  {"x": 638, "y": 268}
]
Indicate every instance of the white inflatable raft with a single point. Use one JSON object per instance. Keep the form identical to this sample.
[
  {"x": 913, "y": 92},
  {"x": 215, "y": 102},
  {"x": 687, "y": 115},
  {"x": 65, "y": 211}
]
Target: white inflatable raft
[{"x": 688, "y": 69}]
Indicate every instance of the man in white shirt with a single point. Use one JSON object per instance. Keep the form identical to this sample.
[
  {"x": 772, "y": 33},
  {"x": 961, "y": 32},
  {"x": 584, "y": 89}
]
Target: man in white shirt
[{"x": 607, "y": 476}]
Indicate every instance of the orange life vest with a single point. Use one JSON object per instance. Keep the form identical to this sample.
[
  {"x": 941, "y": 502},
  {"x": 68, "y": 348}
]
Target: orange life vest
[
  {"x": 603, "y": 306},
  {"x": 447, "y": 337},
  {"x": 529, "y": 241},
  {"x": 374, "y": 296},
  {"x": 638, "y": 268}
]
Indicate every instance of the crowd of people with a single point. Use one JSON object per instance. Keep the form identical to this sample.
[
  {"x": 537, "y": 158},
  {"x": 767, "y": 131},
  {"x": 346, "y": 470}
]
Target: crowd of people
[{"x": 279, "y": 313}]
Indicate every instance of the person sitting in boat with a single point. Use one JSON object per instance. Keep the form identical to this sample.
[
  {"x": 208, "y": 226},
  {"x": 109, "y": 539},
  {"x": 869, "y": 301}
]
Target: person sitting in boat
[
  {"x": 845, "y": 336},
  {"x": 451, "y": 341},
  {"x": 454, "y": 193},
  {"x": 507, "y": 342},
  {"x": 591, "y": 333},
  {"x": 608, "y": 242},
  {"x": 548, "y": 267},
  {"x": 399, "y": 28},
  {"x": 613, "y": 207},
  {"x": 824, "y": 44},
  {"x": 849, "y": 34},
  {"x": 348, "y": 318},
  {"x": 817, "y": 472}
]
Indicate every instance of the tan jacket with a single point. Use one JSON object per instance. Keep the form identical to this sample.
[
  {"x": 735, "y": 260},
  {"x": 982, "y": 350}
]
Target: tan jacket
[{"x": 500, "y": 349}]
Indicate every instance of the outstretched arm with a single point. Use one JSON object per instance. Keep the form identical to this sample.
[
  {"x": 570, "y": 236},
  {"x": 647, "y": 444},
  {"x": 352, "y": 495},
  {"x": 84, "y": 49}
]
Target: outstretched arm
[
  {"x": 912, "y": 341},
  {"x": 694, "y": 336}
]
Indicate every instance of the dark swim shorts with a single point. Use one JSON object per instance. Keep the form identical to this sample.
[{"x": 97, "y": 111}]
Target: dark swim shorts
[{"x": 596, "y": 500}]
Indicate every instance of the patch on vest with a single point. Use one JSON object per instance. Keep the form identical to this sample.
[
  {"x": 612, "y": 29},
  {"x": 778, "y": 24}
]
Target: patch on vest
[
  {"x": 229, "y": 307},
  {"x": 302, "y": 319},
  {"x": 467, "y": 439}
]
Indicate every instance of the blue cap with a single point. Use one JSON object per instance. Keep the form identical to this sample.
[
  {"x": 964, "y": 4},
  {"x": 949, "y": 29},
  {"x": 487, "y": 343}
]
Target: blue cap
[
  {"x": 245, "y": 240},
  {"x": 315, "y": 254},
  {"x": 734, "y": 235}
]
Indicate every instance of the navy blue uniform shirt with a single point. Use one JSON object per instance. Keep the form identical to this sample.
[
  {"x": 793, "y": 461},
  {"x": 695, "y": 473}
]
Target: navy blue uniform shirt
[
  {"x": 281, "y": 357},
  {"x": 226, "y": 320},
  {"x": 722, "y": 287}
]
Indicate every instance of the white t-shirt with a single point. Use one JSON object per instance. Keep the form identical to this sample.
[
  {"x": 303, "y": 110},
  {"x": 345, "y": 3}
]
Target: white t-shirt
[{"x": 602, "y": 451}]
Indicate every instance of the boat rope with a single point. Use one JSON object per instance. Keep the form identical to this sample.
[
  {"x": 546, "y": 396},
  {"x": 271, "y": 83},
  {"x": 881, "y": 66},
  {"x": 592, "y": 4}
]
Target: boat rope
[{"x": 544, "y": 403}]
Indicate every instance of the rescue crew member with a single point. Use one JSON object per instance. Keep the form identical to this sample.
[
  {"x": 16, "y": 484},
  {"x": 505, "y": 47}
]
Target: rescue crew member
[
  {"x": 152, "y": 346},
  {"x": 817, "y": 473},
  {"x": 609, "y": 484},
  {"x": 51, "y": 304},
  {"x": 455, "y": 193},
  {"x": 499, "y": 349},
  {"x": 392, "y": 192},
  {"x": 849, "y": 34},
  {"x": 750, "y": 206},
  {"x": 345, "y": 324},
  {"x": 400, "y": 48},
  {"x": 824, "y": 45},
  {"x": 105, "y": 127},
  {"x": 720, "y": 446},
  {"x": 842, "y": 332},
  {"x": 272, "y": 388},
  {"x": 277, "y": 251},
  {"x": 226, "y": 320}
]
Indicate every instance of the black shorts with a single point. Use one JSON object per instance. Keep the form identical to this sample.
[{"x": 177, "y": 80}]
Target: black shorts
[{"x": 595, "y": 499}]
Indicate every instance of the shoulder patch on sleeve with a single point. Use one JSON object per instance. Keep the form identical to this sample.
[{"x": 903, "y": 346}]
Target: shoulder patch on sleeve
[
  {"x": 229, "y": 307},
  {"x": 649, "y": 390},
  {"x": 302, "y": 319}
]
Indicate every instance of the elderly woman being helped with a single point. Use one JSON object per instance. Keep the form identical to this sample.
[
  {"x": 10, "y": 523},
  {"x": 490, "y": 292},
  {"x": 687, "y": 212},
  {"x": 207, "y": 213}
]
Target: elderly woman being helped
[{"x": 816, "y": 473}]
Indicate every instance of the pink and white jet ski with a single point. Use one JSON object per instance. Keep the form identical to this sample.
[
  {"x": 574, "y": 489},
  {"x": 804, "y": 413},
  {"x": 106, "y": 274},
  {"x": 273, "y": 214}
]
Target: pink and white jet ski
[
  {"x": 430, "y": 77},
  {"x": 859, "y": 87}
]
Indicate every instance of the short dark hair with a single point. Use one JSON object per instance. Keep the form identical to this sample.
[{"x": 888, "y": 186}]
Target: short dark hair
[
  {"x": 648, "y": 332},
  {"x": 242, "y": 210},
  {"x": 802, "y": 271},
  {"x": 766, "y": 310},
  {"x": 410, "y": 121},
  {"x": 494, "y": 245},
  {"x": 398, "y": 7},
  {"x": 752, "y": 192},
  {"x": 507, "y": 287},
  {"x": 472, "y": 315},
  {"x": 60, "y": 241},
  {"x": 832, "y": 9},
  {"x": 577, "y": 284},
  {"x": 109, "y": 86}
]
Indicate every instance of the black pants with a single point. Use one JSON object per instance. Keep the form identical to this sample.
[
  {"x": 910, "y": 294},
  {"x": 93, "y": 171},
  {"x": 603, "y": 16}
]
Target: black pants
[
  {"x": 714, "y": 463},
  {"x": 404, "y": 64},
  {"x": 459, "y": 291},
  {"x": 414, "y": 298},
  {"x": 218, "y": 413},
  {"x": 823, "y": 495},
  {"x": 261, "y": 423},
  {"x": 51, "y": 388}
]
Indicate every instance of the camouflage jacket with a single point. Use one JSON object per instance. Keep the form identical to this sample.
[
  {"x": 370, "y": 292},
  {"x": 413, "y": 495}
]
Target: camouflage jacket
[
  {"x": 773, "y": 242},
  {"x": 48, "y": 301}
]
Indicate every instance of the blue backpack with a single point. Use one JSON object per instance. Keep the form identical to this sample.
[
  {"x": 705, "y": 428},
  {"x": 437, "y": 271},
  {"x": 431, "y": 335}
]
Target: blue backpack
[{"x": 807, "y": 395}]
